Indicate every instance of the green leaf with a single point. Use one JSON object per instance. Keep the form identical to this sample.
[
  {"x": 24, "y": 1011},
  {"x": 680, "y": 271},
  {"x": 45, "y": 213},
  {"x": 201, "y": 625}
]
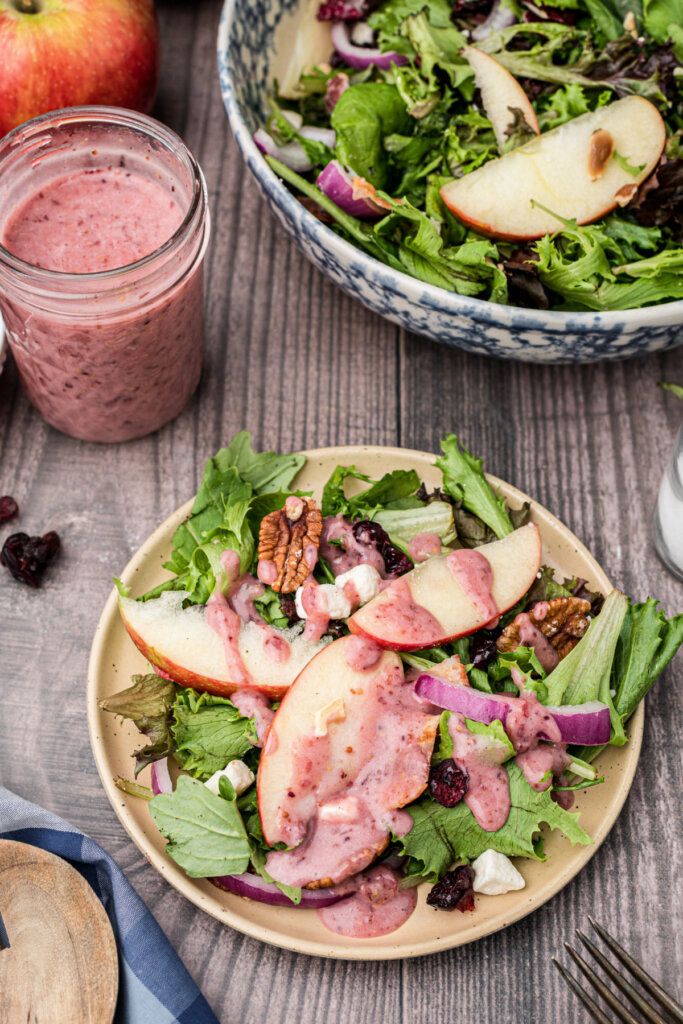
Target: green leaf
[
  {"x": 357, "y": 231},
  {"x": 209, "y": 732},
  {"x": 206, "y": 834},
  {"x": 362, "y": 117},
  {"x": 258, "y": 860},
  {"x": 405, "y": 524},
  {"x": 442, "y": 835},
  {"x": 675, "y": 389},
  {"x": 628, "y": 168},
  {"x": 270, "y": 609},
  {"x": 500, "y": 742},
  {"x": 660, "y": 15},
  {"x": 391, "y": 488},
  {"x": 265, "y": 471},
  {"x": 464, "y": 480},
  {"x": 647, "y": 643},
  {"x": 147, "y": 703}
]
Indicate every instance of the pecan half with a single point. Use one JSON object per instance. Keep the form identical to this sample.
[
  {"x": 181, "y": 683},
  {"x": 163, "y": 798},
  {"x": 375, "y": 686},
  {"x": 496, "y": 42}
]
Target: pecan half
[
  {"x": 564, "y": 622},
  {"x": 289, "y": 538}
]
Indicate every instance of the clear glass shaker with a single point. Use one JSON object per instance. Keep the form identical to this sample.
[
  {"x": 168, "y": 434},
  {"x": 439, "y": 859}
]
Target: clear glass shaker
[{"x": 668, "y": 518}]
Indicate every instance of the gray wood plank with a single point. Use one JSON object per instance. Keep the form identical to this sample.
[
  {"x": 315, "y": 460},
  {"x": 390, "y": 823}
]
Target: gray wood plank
[{"x": 300, "y": 364}]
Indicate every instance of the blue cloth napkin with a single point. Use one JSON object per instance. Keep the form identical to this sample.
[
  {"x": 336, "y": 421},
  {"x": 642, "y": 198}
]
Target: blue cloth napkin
[{"x": 154, "y": 987}]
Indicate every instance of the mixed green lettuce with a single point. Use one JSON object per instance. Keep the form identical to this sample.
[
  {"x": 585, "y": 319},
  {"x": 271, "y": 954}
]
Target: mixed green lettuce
[{"x": 410, "y": 129}]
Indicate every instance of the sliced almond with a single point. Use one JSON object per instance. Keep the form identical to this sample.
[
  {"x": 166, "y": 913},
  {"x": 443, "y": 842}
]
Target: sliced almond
[
  {"x": 332, "y": 712},
  {"x": 600, "y": 149}
]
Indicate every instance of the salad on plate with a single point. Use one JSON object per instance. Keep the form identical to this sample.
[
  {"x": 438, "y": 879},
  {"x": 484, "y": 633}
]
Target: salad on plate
[
  {"x": 516, "y": 151},
  {"x": 349, "y": 697}
]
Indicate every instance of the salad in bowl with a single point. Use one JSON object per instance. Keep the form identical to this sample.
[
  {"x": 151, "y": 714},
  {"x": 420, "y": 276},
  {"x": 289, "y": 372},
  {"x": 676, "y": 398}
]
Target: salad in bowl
[
  {"x": 379, "y": 687},
  {"x": 523, "y": 153}
]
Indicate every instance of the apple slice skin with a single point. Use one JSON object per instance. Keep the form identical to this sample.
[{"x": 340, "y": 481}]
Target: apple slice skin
[
  {"x": 377, "y": 755},
  {"x": 496, "y": 199},
  {"x": 436, "y": 586}
]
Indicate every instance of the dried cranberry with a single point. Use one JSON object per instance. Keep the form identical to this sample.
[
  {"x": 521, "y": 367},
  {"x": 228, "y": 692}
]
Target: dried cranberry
[
  {"x": 483, "y": 651},
  {"x": 448, "y": 783},
  {"x": 372, "y": 534},
  {"x": 454, "y": 891},
  {"x": 8, "y": 508},
  {"x": 288, "y": 608},
  {"x": 27, "y": 557}
]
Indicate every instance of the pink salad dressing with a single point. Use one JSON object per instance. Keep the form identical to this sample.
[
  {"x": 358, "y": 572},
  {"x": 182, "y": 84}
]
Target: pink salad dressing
[
  {"x": 225, "y": 616},
  {"x": 114, "y": 359},
  {"x": 474, "y": 574},
  {"x": 317, "y": 613},
  {"x": 92, "y": 220},
  {"x": 531, "y": 636},
  {"x": 423, "y": 546},
  {"x": 341, "y": 824},
  {"x": 361, "y": 654},
  {"x": 226, "y": 623},
  {"x": 377, "y": 907},
  {"x": 410, "y": 623},
  {"x": 266, "y": 571},
  {"x": 536, "y": 737},
  {"x": 488, "y": 793},
  {"x": 253, "y": 704},
  {"x": 353, "y": 553}
]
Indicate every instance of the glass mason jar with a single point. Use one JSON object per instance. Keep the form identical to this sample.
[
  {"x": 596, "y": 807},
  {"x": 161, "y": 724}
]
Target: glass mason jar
[
  {"x": 113, "y": 354},
  {"x": 668, "y": 520}
]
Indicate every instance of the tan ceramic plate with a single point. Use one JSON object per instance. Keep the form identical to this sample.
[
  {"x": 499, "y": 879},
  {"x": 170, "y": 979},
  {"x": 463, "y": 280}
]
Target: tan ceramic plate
[{"x": 114, "y": 659}]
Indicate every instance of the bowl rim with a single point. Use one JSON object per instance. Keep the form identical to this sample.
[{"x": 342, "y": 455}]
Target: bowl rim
[{"x": 403, "y": 285}]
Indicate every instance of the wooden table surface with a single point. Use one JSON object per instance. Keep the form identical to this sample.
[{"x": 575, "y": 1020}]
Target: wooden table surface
[{"x": 301, "y": 365}]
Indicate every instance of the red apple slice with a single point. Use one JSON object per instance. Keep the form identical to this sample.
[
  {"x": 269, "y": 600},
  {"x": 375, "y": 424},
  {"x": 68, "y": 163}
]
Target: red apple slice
[
  {"x": 180, "y": 642},
  {"x": 429, "y": 606},
  {"x": 349, "y": 745},
  {"x": 558, "y": 171},
  {"x": 501, "y": 94}
]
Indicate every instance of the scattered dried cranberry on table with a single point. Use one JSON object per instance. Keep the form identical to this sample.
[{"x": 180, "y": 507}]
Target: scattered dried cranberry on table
[
  {"x": 8, "y": 508},
  {"x": 27, "y": 557}
]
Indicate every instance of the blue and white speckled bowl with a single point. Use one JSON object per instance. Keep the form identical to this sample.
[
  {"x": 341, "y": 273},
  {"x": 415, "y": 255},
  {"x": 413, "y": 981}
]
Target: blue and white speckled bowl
[{"x": 247, "y": 47}]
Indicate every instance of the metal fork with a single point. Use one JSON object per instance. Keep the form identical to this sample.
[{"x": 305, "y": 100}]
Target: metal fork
[{"x": 669, "y": 1005}]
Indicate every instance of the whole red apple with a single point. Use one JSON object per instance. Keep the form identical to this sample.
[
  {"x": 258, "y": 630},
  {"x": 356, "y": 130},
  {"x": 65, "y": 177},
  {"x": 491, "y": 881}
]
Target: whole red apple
[{"x": 66, "y": 53}]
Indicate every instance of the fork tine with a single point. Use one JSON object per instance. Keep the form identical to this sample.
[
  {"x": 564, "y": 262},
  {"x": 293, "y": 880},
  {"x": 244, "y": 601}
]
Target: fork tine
[
  {"x": 621, "y": 983},
  {"x": 592, "y": 1007},
  {"x": 621, "y": 1011},
  {"x": 648, "y": 983}
]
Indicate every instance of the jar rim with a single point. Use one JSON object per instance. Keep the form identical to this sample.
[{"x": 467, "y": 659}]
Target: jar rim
[{"x": 128, "y": 119}]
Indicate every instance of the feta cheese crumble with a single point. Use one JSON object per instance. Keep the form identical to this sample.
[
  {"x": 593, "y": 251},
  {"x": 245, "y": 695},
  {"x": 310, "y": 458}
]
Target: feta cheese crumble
[
  {"x": 495, "y": 874},
  {"x": 236, "y": 772}
]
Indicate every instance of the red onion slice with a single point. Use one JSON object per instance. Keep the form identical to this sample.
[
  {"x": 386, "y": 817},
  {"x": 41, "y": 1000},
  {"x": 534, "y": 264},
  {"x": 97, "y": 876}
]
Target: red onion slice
[
  {"x": 337, "y": 184},
  {"x": 256, "y": 888},
  {"x": 326, "y": 135},
  {"x": 480, "y": 707},
  {"x": 361, "y": 57},
  {"x": 161, "y": 778},
  {"x": 588, "y": 724},
  {"x": 291, "y": 155},
  {"x": 499, "y": 18}
]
